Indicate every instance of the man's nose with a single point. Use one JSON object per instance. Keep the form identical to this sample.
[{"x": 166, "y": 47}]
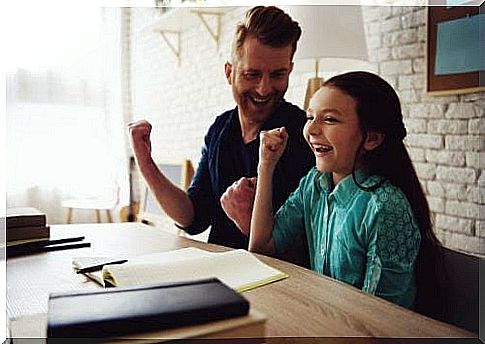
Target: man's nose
[{"x": 264, "y": 86}]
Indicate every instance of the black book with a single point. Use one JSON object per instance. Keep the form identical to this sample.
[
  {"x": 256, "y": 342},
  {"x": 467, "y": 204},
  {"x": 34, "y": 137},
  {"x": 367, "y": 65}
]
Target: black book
[
  {"x": 27, "y": 233},
  {"x": 120, "y": 311},
  {"x": 25, "y": 217}
]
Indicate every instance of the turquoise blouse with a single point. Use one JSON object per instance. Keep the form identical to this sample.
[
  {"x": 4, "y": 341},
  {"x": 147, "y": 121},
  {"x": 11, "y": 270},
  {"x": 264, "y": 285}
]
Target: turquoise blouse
[{"x": 367, "y": 239}]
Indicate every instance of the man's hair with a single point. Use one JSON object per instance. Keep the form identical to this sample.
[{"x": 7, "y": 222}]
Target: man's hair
[{"x": 270, "y": 26}]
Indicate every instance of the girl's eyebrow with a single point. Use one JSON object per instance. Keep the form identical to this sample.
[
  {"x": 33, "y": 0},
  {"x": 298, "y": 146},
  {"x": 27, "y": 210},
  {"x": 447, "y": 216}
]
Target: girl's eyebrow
[{"x": 325, "y": 111}]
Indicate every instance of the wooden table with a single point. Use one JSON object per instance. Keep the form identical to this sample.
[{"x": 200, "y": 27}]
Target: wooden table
[{"x": 304, "y": 305}]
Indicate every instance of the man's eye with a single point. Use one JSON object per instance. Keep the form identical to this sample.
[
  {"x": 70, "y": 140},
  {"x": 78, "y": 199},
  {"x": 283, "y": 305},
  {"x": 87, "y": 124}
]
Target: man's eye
[
  {"x": 278, "y": 75},
  {"x": 329, "y": 120},
  {"x": 251, "y": 75},
  {"x": 309, "y": 118}
]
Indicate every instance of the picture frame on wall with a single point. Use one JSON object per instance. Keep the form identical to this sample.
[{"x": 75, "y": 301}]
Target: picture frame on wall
[{"x": 455, "y": 34}]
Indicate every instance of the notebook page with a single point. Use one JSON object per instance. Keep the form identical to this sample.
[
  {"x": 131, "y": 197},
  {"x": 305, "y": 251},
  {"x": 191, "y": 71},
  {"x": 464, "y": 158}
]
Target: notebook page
[
  {"x": 238, "y": 269},
  {"x": 153, "y": 258},
  {"x": 81, "y": 262},
  {"x": 169, "y": 256}
]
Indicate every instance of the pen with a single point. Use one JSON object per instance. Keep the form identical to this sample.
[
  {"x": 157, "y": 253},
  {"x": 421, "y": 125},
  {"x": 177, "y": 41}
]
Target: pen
[
  {"x": 99, "y": 266},
  {"x": 23, "y": 250},
  {"x": 66, "y": 247},
  {"x": 44, "y": 243},
  {"x": 65, "y": 240}
]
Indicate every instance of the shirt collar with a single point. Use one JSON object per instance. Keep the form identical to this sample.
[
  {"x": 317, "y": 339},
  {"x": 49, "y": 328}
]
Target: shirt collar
[{"x": 346, "y": 188}]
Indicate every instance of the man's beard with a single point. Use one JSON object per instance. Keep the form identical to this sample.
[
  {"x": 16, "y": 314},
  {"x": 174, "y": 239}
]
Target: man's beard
[{"x": 257, "y": 109}]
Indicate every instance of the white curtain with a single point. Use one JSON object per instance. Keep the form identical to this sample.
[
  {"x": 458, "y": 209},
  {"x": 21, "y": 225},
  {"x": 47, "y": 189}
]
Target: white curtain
[{"x": 64, "y": 140}]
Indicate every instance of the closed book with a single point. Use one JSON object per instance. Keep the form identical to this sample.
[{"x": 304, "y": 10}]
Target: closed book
[
  {"x": 25, "y": 217},
  {"x": 250, "y": 328},
  {"x": 27, "y": 233},
  {"x": 121, "y": 311}
]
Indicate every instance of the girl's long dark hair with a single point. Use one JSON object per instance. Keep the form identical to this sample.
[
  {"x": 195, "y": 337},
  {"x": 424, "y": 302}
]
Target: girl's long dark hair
[{"x": 379, "y": 110}]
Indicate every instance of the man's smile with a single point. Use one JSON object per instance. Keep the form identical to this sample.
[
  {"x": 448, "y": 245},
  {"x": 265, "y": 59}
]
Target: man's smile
[{"x": 260, "y": 100}]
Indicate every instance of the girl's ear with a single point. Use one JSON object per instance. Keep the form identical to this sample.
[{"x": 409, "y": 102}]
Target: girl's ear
[{"x": 373, "y": 140}]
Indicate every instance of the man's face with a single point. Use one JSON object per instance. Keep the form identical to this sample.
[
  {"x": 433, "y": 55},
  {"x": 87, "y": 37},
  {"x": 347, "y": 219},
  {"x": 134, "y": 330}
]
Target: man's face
[{"x": 259, "y": 78}]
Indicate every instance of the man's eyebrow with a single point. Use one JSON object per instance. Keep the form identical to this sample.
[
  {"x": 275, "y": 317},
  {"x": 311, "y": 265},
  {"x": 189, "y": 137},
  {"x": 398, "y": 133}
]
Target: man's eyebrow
[
  {"x": 250, "y": 70},
  {"x": 280, "y": 70}
]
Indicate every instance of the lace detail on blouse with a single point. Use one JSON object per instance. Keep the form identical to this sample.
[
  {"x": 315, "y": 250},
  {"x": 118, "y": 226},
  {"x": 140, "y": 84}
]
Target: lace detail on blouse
[{"x": 397, "y": 240}]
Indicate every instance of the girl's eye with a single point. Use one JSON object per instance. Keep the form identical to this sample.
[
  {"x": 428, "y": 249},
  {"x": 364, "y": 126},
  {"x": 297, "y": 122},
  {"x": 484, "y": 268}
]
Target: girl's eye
[
  {"x": 329, "y": 120},
  {"x": 309, "y": 118}
]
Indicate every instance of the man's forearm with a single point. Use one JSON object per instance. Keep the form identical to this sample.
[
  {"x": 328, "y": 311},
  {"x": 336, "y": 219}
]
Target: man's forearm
[{"x": 173, "y": 200}]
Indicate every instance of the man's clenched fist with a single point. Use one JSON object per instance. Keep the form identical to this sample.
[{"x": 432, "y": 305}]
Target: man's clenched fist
[
  {"x": 140, "y": 140},
  {"x": 238, "y": 202}
]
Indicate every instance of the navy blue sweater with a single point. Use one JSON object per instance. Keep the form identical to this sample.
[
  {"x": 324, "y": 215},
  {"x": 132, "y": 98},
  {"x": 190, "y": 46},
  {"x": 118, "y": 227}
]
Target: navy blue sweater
[{"x": 225, "y": 159}]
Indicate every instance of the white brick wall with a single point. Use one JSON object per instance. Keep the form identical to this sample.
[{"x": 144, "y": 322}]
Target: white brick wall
[{"x": 445, "y": 134}]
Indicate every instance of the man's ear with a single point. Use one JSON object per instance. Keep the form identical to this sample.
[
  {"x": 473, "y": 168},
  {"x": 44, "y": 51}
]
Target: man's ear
[
  {"x": 228, "y": 72},
  {"x": 373, "y": 140}
]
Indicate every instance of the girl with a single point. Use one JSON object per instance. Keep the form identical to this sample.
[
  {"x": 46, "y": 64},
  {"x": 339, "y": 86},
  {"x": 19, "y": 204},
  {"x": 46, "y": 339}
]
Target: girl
[{"x": 361, "y": 207}]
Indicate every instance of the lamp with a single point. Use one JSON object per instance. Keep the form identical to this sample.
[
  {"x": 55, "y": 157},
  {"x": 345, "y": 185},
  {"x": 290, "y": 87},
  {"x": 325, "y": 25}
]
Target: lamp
[{"x": 333, "y": 35}]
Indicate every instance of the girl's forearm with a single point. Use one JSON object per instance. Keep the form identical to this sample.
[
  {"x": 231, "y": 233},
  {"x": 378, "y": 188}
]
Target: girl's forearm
[{"x": 261, "y": 234}]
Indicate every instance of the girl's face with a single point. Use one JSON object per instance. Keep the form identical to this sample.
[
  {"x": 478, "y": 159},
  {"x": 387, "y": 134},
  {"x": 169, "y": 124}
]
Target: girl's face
[{"x": 332, "y": 131}]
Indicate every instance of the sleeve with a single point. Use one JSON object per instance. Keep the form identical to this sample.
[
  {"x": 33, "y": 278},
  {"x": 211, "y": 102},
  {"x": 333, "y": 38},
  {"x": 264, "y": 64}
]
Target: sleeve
[
  {"x": 201, "y": 194},
  {"x": 289, "y": 221},
  {"x": 393, "y": 244}
]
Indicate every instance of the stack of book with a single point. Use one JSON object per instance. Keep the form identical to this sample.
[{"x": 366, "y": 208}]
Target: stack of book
[{"x": 26, "y": 224}]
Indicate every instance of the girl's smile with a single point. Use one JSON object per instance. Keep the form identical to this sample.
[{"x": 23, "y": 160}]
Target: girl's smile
[{"x": 319, "y": 149}]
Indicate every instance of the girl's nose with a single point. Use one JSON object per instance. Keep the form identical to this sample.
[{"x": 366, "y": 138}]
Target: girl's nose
[{"x": 313, "y": 128}]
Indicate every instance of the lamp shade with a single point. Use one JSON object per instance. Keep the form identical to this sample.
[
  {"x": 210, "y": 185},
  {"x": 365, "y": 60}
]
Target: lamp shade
[
  {"x": 330, "y": 32},
  {"x": 333, "y": 35}
]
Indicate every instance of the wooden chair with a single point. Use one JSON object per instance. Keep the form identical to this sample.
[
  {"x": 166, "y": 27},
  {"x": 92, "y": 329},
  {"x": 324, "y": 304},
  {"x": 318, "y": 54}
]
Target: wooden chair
[
  {"x": 150, "y": 212},
  {"x": 98, "y": 204}
]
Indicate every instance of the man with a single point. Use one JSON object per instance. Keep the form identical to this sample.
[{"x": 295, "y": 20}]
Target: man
[{"x": 258, "y": 73}]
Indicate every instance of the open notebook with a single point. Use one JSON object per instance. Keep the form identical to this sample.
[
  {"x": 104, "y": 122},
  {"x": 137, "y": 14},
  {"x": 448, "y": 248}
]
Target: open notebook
[{"x": 239, "y": 269}]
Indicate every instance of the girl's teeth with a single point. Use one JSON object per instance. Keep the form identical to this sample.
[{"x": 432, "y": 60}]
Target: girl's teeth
[{"x": 322, "y": 149}]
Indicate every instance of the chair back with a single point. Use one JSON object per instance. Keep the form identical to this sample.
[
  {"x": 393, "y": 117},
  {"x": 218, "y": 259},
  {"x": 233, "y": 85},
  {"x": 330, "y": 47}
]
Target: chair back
[
  {"x": 179, "y": 174},
  {"x": 451, "y": 293},
  {"x": 462, "y": 289},
  {"x": 187, "y": 174}
]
